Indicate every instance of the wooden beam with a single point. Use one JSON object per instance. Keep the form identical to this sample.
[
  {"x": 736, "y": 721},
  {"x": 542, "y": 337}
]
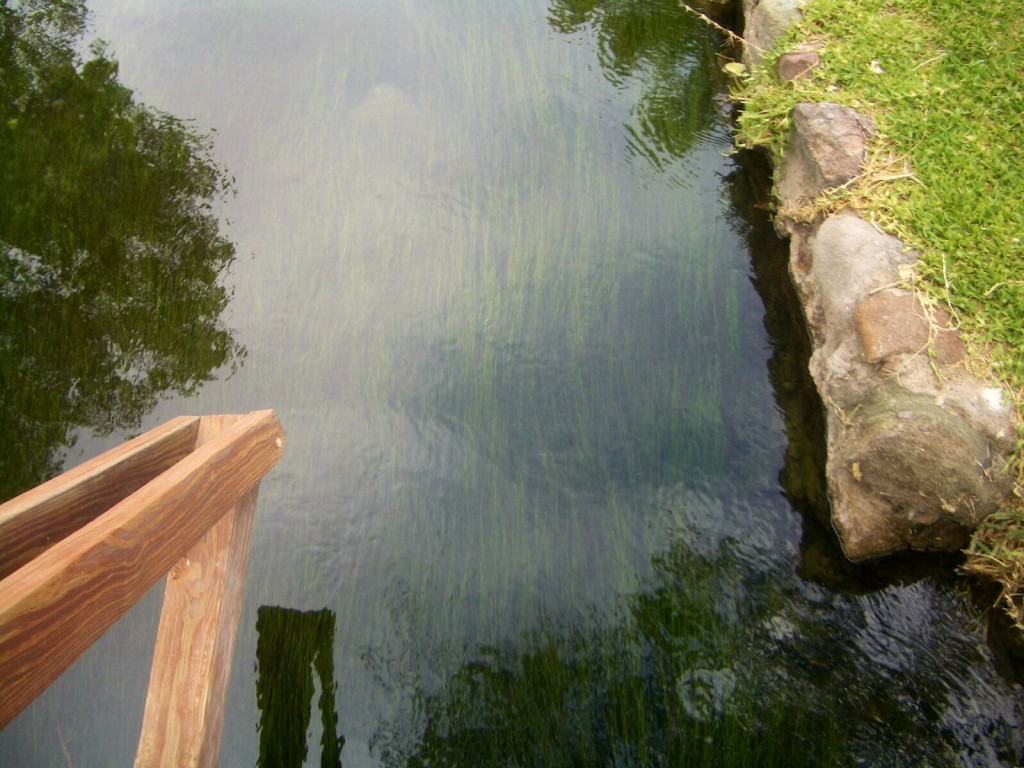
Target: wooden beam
[
  {"x": 39, "y": 518},
  {"x": 57, "y": 605},
  {"x": 188, "y": 684}
]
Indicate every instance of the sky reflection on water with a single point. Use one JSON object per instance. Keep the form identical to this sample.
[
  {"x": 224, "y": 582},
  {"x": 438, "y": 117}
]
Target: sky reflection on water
[{"x": 496, "y": 277}]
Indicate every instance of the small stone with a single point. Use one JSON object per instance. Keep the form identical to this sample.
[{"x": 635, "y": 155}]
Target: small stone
[
  {"x": 704, "y": 693},
  {"x": 796, "y": 65},
  {"x": 893, "y": 323}
]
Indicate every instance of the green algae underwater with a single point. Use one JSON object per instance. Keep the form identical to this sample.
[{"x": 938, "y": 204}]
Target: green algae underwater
[{"x": 527, "y": 329}]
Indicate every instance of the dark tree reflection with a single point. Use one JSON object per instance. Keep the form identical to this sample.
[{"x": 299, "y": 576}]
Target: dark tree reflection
[
  {"x": 754, "y": 677},
  {"x": 292, "y": 646},
  {"x": 110, "y": 253},
  {"x": 669, "y": 684},
  {"x": 669, "y": 51}
]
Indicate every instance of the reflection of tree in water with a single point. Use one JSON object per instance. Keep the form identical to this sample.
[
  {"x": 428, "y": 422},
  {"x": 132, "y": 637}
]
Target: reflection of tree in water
[
  {"x": 665, "y": 686},
  {"x": 753, "y": 677},
  {"x": 291, "y": 646},
  {"x": 669, "y": 51},
  {"x": 110, "y": 255}
]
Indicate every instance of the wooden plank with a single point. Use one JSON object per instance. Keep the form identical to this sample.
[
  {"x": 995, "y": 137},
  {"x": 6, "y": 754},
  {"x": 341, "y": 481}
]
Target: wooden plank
[
  {"x": 57, "y": 605},
  {"x": 33, "y": 521},
  {"x": 184, "y": 715}
]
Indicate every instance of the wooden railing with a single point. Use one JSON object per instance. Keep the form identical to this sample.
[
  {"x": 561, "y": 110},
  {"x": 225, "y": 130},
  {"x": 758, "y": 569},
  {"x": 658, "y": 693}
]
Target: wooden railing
[{"x": 80, "y": 550}]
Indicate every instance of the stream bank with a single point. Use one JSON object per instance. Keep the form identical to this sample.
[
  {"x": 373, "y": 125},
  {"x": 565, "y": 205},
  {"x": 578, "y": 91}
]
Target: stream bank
[{"x": 916, "y": 443}]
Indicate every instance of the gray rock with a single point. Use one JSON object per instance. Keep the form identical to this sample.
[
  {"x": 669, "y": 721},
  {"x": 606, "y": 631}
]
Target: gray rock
[
  {"x": 916, "y": 444},
  {"x": 909, "y": 473},
  {"x": 915, "y": 452},
  {"x": 827, "y": 148},
  {"x": 766, "y": 22}
]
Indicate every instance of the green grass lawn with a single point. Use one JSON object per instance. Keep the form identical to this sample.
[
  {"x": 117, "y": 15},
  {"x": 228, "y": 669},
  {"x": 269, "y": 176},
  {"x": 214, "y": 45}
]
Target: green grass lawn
[{"x": 943, "y": 83}]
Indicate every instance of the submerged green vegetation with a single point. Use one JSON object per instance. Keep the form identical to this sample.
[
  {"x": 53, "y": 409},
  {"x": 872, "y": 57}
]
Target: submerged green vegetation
[
  {"x": 751, "y": 679},
  {"x": 943, "y": 83},
  {"x": 545, "y": 406}
]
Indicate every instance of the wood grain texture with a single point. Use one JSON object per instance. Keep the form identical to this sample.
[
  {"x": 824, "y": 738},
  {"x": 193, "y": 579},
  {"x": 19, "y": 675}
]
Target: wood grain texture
[
  {"x": 184, "y": 715},
  {"x": 57, "y": 605},
  {"x": 33, "y": 521}
]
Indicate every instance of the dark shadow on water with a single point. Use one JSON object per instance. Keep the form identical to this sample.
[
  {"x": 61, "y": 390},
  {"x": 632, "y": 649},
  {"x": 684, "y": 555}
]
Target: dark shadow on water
[
  {"x": 803, "y": 475},
  {"x": 292, "y": 646},
  {"x": 111, "y": 257}
]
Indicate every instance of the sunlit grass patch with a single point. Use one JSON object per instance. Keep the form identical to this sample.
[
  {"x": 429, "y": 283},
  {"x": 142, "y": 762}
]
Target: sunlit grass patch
[{"x": 943, "y": 84}]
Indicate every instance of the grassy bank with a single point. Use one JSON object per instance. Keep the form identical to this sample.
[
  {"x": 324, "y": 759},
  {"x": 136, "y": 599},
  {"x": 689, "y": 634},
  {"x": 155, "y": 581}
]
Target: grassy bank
[{"x": 943, "y": 83}]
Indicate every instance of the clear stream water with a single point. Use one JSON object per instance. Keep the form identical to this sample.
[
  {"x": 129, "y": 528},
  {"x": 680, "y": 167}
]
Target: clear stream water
[{"x": 527, "y": 332}]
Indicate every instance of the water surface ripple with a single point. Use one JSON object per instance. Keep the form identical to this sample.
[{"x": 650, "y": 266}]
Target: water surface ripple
[{"x": 499, "y": 280}]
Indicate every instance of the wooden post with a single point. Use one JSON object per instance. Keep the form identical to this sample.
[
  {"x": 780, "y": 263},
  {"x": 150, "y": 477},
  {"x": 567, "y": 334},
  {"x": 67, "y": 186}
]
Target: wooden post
[
  {"x": 184, "y": 715},
  {"x": 58, "y": 604}
]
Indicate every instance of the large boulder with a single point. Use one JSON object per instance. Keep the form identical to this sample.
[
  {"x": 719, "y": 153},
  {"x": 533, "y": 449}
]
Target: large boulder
[
  {"x": 907, "y": 472},
  {"x": 916, "y": 444}
]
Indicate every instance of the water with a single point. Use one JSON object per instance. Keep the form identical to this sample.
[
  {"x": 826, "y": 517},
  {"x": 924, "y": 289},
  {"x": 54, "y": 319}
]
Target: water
[{"x": 520, "y": 319}]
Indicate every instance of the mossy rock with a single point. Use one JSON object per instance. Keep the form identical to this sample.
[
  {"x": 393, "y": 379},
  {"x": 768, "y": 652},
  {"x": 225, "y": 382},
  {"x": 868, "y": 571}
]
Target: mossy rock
[{"x": 910, "y": 473}]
